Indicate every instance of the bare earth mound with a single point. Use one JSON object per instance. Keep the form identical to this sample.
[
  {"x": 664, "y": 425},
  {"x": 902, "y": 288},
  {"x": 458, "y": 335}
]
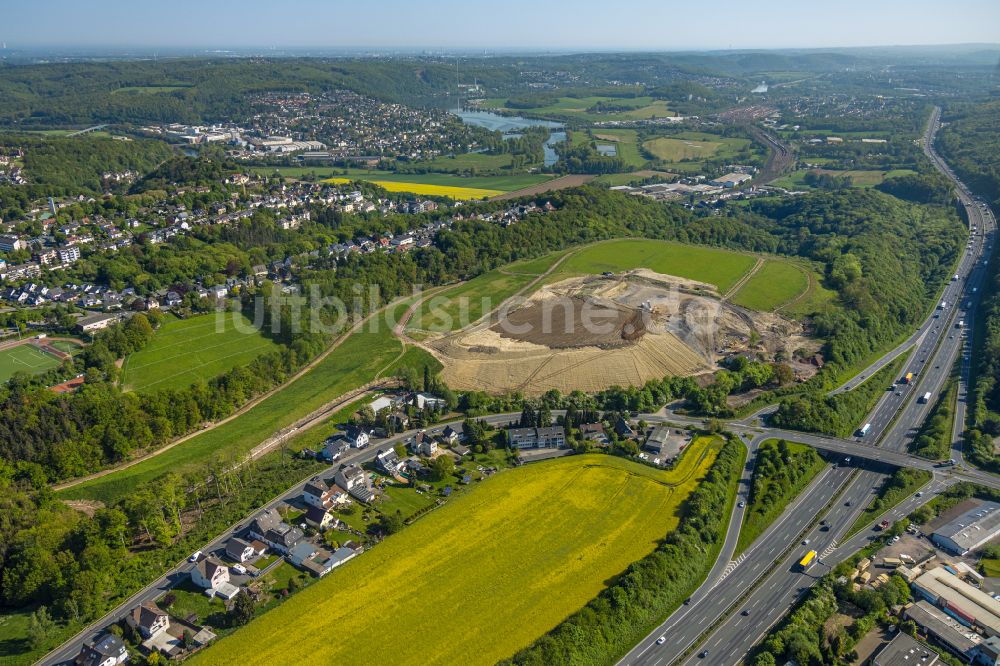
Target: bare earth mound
[{"x": 589, "y": 333}]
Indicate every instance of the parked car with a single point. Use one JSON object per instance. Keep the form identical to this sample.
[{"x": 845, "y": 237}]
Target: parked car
[
  {"x": 195, "y": 557},
  {"x": 240, "y": 569}
]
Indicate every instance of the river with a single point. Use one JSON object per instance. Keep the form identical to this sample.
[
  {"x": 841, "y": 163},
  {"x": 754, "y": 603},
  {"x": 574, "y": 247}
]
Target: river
[{"x": 510, "y": 124}]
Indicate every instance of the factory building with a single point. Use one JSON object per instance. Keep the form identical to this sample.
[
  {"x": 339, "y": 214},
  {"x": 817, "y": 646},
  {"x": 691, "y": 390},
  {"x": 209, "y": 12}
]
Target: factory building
[{"x": 971, "y": 530}]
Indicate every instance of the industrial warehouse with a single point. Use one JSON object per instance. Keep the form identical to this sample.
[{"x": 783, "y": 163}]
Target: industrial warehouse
[{"x": 974, "y": 528}]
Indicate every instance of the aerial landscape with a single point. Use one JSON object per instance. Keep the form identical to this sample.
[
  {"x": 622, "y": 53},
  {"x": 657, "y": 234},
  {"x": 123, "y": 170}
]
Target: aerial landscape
[{"x": 648, "y": 334}]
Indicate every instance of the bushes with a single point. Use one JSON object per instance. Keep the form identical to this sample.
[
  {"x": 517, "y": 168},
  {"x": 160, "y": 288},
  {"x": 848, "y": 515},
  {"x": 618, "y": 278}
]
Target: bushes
[
  {"x": 782, "y": 470},
  {"x": 934, "y": 440},
  {"x": 838, "y": 414},
  {"x": 651, "y": 588}
]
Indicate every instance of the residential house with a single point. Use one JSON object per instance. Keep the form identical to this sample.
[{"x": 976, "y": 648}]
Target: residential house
[
  {"x": 460, "y": 450},
  {"x": 389, "y": 462},
  {"x": 210, "y": 573},
  {"x": 450, "y": 435},
  {"x": 355, "y": 481},
  {"x": 148, "y": 619},
  {"x": 108, "y": 650},
  {"x": 321, "y": 518},
  {"x": 334, "y": 447},
  {"x": 272, "y": 530},
  {"x": 594, "y": 432},
  {"x": 536, "y": 438},
  {"x": 424, "y": 444},
  {"x": 240, "y": 551},
  {"x": 427, "y": 401},
  {"x": 324, "y": 494},
  {"x": 624, "y": 429},
  {"x": 353, "y": 436}
]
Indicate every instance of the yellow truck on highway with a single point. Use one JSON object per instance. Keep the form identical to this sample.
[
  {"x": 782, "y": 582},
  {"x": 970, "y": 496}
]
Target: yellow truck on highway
[{"x": 807, "y": 561}]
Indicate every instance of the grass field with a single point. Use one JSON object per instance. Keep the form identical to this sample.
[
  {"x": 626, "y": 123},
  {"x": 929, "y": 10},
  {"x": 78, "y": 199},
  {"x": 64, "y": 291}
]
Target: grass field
[
  {"x": 675, "y": 150},
  {"x": 504, "y": 183},
  {"x": 428, "y": 189},
  {"x": 463, "y": 304},
  {"x": 25, "y": 358},
  {"x": 859, "y": 177},
  {"x": 521, "y": 552},
  {"x": 362, "y": 357},
  {"x": 721, "y": 268},
  {"x": 776, "y": 283},
  {"x": 186, "y": 350},
  {"x": 626, "y": 141}
]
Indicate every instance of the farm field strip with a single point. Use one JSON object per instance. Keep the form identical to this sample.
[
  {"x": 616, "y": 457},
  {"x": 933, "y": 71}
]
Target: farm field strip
[
  {"x": 423, "y": 188},
  {"x": 522, "y": 551},
  {"x": 505, "y": 183}
]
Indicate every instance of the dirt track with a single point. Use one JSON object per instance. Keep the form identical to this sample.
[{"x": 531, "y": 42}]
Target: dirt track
[{"x": 548, "y": 186}]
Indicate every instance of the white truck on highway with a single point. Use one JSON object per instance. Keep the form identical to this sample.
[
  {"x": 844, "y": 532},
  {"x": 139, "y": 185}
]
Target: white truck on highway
[
  {"x": 925, "y": 398},
  {"x": 864, "y": 429}
]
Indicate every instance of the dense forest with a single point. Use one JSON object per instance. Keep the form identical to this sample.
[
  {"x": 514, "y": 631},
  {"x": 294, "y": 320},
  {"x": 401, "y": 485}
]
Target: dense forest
[{"x": 57, "y": 166}]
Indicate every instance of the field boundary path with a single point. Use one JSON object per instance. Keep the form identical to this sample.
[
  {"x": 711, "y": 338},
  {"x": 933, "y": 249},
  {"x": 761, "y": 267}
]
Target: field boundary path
[
  {"x": 239, "y": 412},
  {"x": 743, "y": 280}
]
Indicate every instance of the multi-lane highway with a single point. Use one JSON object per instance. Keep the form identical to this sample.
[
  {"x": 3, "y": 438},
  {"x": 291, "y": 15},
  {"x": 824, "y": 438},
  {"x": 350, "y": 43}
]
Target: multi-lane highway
[{"x": 712, "y": 627}]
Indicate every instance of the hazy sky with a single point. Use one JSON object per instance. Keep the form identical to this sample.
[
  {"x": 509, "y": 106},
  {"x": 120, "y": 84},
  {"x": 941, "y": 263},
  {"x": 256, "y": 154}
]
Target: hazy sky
[{"x": 531, "y": 24}]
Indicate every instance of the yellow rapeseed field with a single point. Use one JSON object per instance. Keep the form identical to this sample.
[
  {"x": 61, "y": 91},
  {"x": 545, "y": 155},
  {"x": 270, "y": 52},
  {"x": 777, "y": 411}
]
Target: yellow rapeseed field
[
  {"x": 423, "y": 188},
  {"x": 485, "y": 575}
]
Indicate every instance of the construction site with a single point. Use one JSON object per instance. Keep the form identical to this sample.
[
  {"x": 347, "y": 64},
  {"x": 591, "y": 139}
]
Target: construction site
[{"x": 589, "y": 333}]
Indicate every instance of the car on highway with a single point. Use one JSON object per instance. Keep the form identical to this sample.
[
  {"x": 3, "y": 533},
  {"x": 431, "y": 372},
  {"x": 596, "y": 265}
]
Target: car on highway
[
  {"x": 195, "y": 556},
  {"x": 805, "y": 542},
  {"x": 920, "y": 494},
  {"x": 741, "y": 504},
  {"x": 661, "y": 640}
]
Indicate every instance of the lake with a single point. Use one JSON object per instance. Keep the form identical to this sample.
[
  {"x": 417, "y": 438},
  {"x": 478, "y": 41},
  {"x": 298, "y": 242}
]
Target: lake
[{"x": 510, "y": 124}]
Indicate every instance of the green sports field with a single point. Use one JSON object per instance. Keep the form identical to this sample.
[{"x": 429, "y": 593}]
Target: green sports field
[
  {"x": 484, "y": 575},
  {"x": 25, "y": 358},
  {"x": 197, "y": 348}
]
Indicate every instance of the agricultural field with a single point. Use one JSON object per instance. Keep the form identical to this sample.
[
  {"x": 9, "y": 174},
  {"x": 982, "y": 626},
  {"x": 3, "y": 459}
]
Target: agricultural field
[
  {"x": 721, "y": 268},
  {"x": 363, "y": 356},
  {"x": 776, "y": 283},
  {"x": 197, "y": 348},
  {"x": 450, "y": 191},
  {"x": 504, "y": 183},
  {"x": 579, "y": 108},
  {"x": 522, "y": 551},
  {"x": 25, "y": 358}
]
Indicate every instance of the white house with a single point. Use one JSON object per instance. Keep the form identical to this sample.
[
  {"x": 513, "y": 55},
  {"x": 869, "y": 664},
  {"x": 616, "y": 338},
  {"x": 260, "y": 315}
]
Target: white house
[
  {"x": 210, "y": 574},
  {"x": 148, "y": 619}
]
